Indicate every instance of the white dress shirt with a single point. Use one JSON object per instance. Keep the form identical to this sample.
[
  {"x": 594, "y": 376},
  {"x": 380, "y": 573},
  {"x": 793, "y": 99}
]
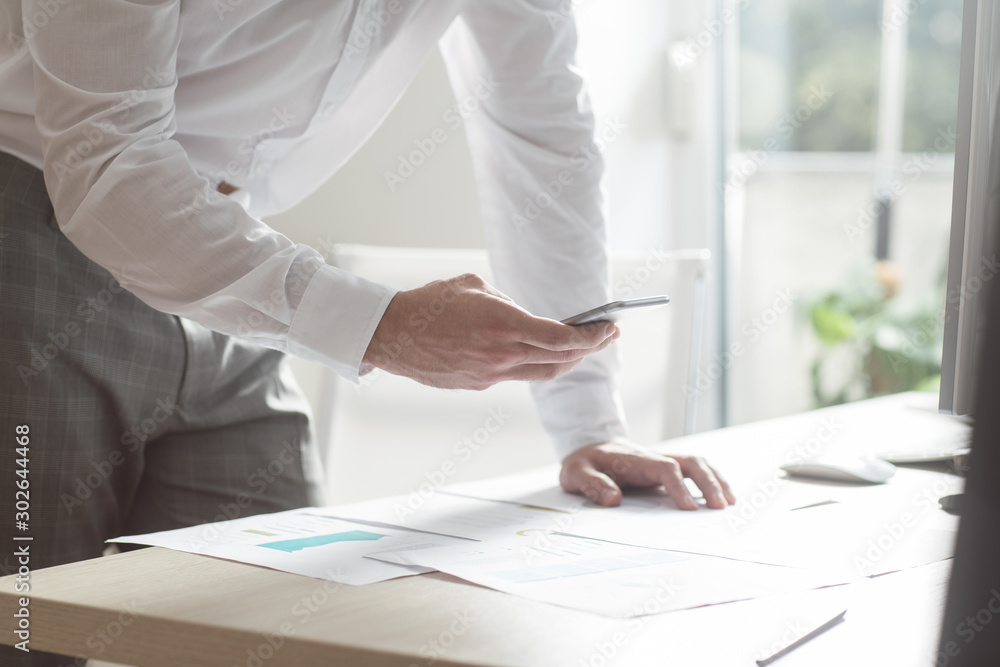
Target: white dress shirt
[{"x": 137, "y": 112}]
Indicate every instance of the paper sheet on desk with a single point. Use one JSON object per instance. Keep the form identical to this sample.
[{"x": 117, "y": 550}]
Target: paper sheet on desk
[
  {"x": 292, "y": 541},
  {"x": 600, "y": 577},
  {"x": 891, "y": 620},
  {"x": 456, "y": 516},
  {"x": 486, "y": 520},
  {"x": 871, "y": 530}
]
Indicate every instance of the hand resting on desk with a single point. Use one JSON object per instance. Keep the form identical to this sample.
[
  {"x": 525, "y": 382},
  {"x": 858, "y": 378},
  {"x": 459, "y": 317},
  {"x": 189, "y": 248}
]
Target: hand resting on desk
[{"x": 600, "y": 471}]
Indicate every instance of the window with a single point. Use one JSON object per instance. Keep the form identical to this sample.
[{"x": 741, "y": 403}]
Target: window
[{"x": 806, "y": 182}]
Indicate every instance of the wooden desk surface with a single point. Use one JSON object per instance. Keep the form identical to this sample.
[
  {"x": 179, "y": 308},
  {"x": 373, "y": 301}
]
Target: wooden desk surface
[{"x": 156, "y": 607}]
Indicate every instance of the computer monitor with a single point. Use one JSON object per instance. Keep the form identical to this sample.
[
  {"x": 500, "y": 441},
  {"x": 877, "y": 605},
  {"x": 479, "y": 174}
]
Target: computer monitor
[
  {"x": 970, "y": 627},
  {"x": 970, "y": 382},
  {"x": 972, "y": 263}
]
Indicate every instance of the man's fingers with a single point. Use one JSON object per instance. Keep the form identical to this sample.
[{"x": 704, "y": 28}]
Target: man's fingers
[
  {"x": 643, "y": 469},
  {"x": 706, "y": 480},
  {"x": 538, "y": 372},
  {"x": 556, "y": 336},
  {"x": 671, "y": 476},
  {"x": 538, "y": 355},
  {"x": 726, "y": 489},
  {"x": 624, "y": 465},
  {"x": 592, "y": 483}
]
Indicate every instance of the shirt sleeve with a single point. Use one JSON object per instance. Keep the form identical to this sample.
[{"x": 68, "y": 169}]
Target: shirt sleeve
[
  {"x": 125, "y": 193},
  {"x": 539, "y": 170}
]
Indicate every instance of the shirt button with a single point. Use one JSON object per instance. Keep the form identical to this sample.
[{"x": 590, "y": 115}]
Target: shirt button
[
  {"x": 366, "y": 6},
  {"x": 259, "y": 169},
  {"x": 329, "y": 109}
]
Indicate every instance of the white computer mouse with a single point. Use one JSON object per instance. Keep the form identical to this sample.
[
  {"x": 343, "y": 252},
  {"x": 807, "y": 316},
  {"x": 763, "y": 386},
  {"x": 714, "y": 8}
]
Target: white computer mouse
[{"x": 844, "y": 469}]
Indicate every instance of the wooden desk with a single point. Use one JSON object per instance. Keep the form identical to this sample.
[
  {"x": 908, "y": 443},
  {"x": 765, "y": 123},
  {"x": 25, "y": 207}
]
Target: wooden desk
[{"x": 156, "y": 607}]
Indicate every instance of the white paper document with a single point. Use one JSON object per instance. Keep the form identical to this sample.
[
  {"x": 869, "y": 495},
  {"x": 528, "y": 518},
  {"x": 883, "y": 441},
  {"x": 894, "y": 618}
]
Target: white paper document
[
  {"x": 456, "y": 516},
  {"x": 293, "y": 541},
  {"x": 869, "y": 531},
  {"x": 847, "y": 529},
  {"x": 600, "y": 577}
]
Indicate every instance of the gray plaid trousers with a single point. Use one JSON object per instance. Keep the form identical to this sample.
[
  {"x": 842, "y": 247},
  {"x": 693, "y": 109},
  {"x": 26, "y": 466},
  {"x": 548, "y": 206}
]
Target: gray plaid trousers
[{"x": 138, "y": 421}]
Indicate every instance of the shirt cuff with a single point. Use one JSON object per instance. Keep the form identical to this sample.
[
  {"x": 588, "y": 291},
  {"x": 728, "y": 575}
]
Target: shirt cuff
[{"x": 336, "y": 320}]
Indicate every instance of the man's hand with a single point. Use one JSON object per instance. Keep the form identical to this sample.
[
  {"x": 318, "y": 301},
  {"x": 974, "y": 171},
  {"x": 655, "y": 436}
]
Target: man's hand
[
  {"x": 463, "y": 334},
  {"x": 600, "y": 471}
]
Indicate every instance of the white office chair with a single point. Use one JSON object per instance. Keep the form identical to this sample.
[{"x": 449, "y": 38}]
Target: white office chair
[{"x": 392, "y": 435}]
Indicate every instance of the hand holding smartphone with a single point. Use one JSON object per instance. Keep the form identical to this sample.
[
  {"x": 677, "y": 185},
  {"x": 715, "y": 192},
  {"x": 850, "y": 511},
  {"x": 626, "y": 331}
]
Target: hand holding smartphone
[{"x": 614, "y": 311}]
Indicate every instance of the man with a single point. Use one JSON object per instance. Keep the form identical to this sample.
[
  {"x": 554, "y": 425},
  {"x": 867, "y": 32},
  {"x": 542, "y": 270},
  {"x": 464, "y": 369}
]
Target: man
[{"x": 146, "y": 308}]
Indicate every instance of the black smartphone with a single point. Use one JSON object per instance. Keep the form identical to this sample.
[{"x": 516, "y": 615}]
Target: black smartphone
[{"x": 612, "y": 312}]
